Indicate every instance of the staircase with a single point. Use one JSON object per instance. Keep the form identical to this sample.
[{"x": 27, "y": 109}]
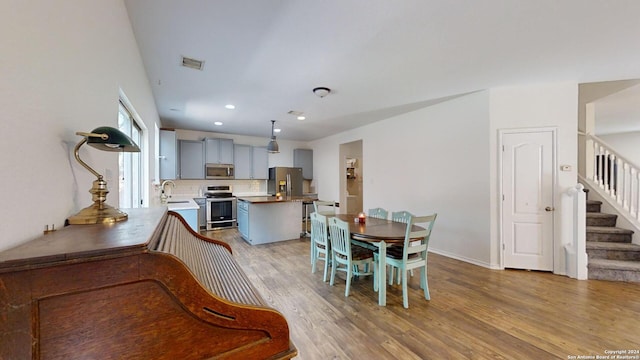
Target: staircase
[{"x": 611, "y": 254}]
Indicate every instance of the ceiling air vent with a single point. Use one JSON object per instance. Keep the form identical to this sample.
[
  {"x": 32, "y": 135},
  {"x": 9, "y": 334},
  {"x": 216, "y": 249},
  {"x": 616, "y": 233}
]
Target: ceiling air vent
[{"x": 192, "y": 63}]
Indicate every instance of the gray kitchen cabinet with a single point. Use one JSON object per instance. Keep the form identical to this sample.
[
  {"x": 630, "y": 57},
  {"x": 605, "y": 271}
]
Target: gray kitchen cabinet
[
  {"x": 168, "y": 160},
  {"x": 191, "y": 159},
  {"x": 243, "y": 218},
  {"x": 260, "y": 162},
  {"x": 242, "y": 161},
  {"x": 219, "y": 151},
  {"x": 303, "y": 158},
  {"x": 250, "y": 162}
]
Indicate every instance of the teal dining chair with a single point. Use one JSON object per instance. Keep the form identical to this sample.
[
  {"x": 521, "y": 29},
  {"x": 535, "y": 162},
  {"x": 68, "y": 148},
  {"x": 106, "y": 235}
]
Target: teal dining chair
[
  {"x": 346, "y": 254},
  {"x": 411, "y": 256},
  {"x": 401, "y": 216},
  {"x": 320, "y": 246},
  {"x": 378, "y": 213},
  {"x": 324, "y": 207}
]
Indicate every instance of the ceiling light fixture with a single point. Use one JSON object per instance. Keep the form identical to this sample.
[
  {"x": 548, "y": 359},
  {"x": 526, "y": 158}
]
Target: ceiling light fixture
[
  {"x": 321, "y": 91},
  {"x": 230, "y": 106},
  {"x": 301, "y": 117},
  {"x": 218, "y": 123},
  {"x": 272, "y": 147}
]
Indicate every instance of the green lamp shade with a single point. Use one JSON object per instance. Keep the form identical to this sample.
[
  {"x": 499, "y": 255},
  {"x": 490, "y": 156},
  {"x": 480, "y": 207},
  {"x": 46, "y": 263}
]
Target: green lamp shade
[{"x": 115, "y": 140}]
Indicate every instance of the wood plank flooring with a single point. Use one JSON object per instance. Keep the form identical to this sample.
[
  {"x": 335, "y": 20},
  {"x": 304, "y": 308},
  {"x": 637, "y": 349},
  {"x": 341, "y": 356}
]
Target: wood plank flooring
[{"x": 474, "y": 313}]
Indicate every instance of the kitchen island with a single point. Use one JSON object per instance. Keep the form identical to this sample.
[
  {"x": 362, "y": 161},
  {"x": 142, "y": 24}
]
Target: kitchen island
[{"x": 267, "y": 219}]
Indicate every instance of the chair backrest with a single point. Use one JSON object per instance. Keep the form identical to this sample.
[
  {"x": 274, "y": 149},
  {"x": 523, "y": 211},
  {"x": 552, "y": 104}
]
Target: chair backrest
[
  {"x": 324, "y": 207},
  {"x": 410, "y": 236},
  {"x": 340, "y": 237},
  {"x": 378, "y": 213},
  {"x": 319, "y": 229},
  {"x": 401, "y": 216}
]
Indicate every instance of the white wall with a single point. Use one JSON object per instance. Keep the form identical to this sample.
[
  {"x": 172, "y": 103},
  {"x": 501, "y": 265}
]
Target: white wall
[
  {"x": 627, "y": 144},
  {"x": 549, "y": 105},
  {"x": 63, "y": 63},
  {"x": 432, "y": 159}
]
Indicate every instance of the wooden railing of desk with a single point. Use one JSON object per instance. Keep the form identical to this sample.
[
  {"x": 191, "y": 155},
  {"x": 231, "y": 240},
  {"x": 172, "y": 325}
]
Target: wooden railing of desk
[{"x": 145, "y": 288}]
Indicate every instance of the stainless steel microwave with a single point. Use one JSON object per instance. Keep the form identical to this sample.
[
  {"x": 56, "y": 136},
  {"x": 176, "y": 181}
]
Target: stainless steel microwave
[{"x": 219, "y": 171}]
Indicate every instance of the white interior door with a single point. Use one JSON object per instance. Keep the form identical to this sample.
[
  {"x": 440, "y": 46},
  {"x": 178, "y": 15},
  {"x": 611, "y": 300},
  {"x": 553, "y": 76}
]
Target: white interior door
[{"x": 527, "y": 208}]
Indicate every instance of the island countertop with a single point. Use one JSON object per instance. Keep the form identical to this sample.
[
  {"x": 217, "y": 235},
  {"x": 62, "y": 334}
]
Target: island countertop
[{"x": 273, "y": 199}]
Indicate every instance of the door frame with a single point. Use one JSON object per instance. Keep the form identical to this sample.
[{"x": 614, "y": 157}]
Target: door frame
[{"x": 554, "y": 178}]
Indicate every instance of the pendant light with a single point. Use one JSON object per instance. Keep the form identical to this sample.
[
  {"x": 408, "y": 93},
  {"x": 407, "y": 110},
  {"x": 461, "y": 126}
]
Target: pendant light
[{"x": 273, "y": 145}]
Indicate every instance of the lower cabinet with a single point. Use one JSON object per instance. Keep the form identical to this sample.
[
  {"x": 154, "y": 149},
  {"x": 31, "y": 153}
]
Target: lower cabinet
[
  {"x": 243, "y": 218},
  {"x": 261, "y": 223},
  {"x": 191, "y": 217}
]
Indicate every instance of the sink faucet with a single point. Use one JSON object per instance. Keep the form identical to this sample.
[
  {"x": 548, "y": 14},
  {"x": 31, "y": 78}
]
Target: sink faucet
[{"x": 163, "y": 195}]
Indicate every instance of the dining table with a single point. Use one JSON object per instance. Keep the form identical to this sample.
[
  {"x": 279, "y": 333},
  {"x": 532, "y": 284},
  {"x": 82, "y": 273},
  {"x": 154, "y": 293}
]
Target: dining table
[{"x": 377, "y": 234}]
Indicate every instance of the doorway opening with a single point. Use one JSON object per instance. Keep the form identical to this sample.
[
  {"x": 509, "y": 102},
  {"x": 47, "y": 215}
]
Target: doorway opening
[{"x": 351, "y": 171}]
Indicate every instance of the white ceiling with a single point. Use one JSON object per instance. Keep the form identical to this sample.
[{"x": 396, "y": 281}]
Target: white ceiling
[{"x": 379, "y": 57}]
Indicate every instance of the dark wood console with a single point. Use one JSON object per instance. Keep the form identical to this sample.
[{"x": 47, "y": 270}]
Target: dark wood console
[{"x": 146, "y": 288}]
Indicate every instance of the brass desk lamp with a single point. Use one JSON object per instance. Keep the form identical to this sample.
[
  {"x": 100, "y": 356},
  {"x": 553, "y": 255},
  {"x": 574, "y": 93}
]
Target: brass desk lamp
[{"x": 107, "y": 139}]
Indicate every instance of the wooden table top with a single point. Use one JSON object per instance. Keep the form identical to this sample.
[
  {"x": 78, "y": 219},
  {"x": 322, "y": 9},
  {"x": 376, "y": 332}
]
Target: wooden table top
[{"x": 374, "y": 230}]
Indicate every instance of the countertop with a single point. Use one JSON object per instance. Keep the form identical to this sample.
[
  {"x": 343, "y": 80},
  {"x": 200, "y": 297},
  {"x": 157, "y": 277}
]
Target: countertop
[
  {"x": 272, "y": 199},
  {"x": 176, "y": 203}
]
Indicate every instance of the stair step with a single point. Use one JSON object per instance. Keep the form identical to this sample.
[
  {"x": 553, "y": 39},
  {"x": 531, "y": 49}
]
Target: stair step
[
  {"x": 614, "y": 270},
  {"x": 608, "y": 234},
  {"x": 601, "y": 219},
  {"x": 594, "y": 205},
  {"x": 613, "y": 251}
]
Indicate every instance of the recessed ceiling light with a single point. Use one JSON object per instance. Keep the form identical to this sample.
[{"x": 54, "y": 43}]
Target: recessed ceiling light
[
  {"x": 230, "y": 106},
  {"x": 301, "y": 117},
  {"x": 217, "y": 123},
  {"x": 276, "y": 130}
]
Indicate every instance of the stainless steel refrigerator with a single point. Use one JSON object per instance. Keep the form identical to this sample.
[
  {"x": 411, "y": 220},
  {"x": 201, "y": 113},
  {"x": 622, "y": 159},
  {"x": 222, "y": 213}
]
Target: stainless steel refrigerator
[{"x": 285, "y": 180}]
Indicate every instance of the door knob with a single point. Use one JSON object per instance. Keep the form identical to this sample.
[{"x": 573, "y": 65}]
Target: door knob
[{"x": 548, "y": 208}]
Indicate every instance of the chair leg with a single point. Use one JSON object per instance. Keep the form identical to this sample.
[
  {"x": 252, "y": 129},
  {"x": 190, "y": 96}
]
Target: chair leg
[
  {"x": 425, "y": 283},
  {"x": 391, "y": 270},
  {"x": 314, "y": 260},
  {"x": 313, "y": 251},
  {"x": 333, "y": 271},
  {"x": 326, "y": 267},
  {"x": 405, "y": 293},
  {"x": 349, "y": 276}
]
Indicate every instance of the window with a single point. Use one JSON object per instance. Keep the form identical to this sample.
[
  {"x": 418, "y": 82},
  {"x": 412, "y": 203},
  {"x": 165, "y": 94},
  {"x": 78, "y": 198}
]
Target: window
[{"x": 130, "y": 164}]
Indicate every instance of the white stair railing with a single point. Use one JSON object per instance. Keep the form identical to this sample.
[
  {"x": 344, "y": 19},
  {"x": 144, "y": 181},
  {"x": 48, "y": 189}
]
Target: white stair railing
[{"x": 616, "y": 177}]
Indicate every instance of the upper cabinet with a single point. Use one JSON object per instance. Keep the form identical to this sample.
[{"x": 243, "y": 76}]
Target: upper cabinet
[
  {"x": 260, "y": 162},
  {"x": 242, "y": 161},
  {"x": 304, "y": 158},
  {"x": 219, "y": 151},
  {"x": 250, "y": 162},
  {"x": 191, "y": 159},
  {"x": 168, "y": 160}
]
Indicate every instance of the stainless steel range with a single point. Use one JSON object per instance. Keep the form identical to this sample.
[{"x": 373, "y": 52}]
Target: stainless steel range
[{"x": 221, "y": 207}]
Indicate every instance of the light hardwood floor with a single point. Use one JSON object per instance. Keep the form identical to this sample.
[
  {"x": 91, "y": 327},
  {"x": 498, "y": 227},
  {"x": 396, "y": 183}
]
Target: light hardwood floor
[{"x": 474, "y": 312}]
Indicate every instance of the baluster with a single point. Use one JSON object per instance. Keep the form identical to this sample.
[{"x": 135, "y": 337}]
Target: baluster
[
  {"x": 627, "y": 188},
  {"x": 619, "y": 171},
  {"x": 607, "y": 172},
  {"x": 633, "y": 192},
  {"x": 637, "y": 196},
  {"x": 598, "y": 158}
]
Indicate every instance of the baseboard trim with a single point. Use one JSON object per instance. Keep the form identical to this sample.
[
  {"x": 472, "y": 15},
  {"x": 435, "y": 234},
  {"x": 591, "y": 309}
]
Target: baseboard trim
[{"x": 466, "y": 259}]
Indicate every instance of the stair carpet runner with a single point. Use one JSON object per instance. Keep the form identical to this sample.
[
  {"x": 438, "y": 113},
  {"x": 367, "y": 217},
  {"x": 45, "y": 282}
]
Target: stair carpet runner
[{"x": 611, "y": 254}]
